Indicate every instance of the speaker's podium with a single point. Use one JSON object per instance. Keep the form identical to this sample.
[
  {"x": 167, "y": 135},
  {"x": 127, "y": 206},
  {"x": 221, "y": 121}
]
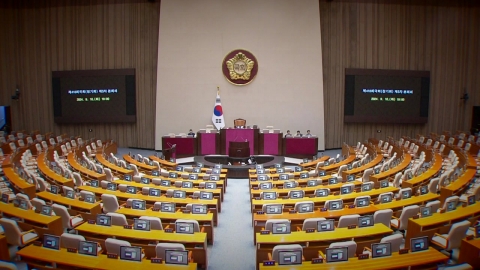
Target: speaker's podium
[
  {"x": 170, "y": 152},
  {"x": 239, "y": 149}
]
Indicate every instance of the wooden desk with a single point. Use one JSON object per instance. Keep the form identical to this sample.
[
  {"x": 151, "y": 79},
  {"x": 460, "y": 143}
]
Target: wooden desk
[
  {"x": 424, "y": 177},
  {"x": 20, "y": 184},
  {"x": 29, "y": 220},
  {"x": 196, "y": 242},
  {"x": 50, "y": 174},
  {"x": 39, "y": 257},
  {"x": 112, "y": 166},
  {"x": 398, "y": 205},
  {"x": 311, "y": 165},
  {"x": 122, "y": 196},
  {"x": 360, "y": 169},
  {"x": 222, "y": 184},
  {"x": 313, "y": 242},
  {"x": 4, "y": 253},
  {"x": 335, "y": 166},
  {"x": 470, "y": 252},
  {"x": 75, "y": 206},
  {"x": 82, "y": 170},
  {"x": 204, "y": 220},
  {"x": 392, "y": 171},
  {"x": 429, "y": 257},
  {"x": 164, "y": 163},
  {"x": 440, "y": 222},
  {"x": 320, "y": 201},
  {"x": 141, "y": 166},
  {"x": 458, "y": 185},
  {"x": 307, "y": 190}
]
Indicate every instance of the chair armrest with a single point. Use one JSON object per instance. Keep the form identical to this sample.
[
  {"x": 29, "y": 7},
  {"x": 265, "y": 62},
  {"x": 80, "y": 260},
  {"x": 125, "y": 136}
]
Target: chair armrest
[
  {"x": 202, "y": 229},
  {"x": 29, "y": 231},
  {"x": 299, "y": 229},
  {"x": 190, "y": 259},
  {"x": 395, "y": 218},
  {"x": 320, "y": 254},
  {"x": 270, "y": 256},
  {"x": 439, "y": 235},
  {"x": 367, "y": 249},
  {"x": 167, "y": 227}
]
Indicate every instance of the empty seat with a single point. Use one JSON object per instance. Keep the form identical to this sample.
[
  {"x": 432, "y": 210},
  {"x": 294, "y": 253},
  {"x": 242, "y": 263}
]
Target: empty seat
[
  {"x": 401, "y": 223},
  {"x": 383, "y": 216},
  {"x": 348, "y": 220},
  {"x": 155, "y": 222},
  {"x": 118, "y": 219},
  {"x": 435, "y": 205},
  {"x": 453, "y": 239},
  {"x": 160, "y": 248},
  {"x": 69, "y": 222},
  {"x": 110, "y": 203},
  {"x": 15, "y": 236},
  {"x": 311, "y": 223},
  {"x": 276, "y": 250},
  {"x": 351, "y": 245}
]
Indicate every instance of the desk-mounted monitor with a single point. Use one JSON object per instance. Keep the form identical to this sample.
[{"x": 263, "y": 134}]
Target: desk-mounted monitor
[
  {"x": 145, "y": 180},
  {"x": 424, "y": 190},
  {"x": 365, "y": 221},
  {"x": 104, "y": 220},
  {"x": 452, "y": 205},
  {"x": 181, "y": 194},
  {"x": 141, "y": 224},
  {"x": 419, "y": 244},
  {"x": 131, "y": 253},
  {"x": 280, "y": 228},
  {"x": 70, "y": 194},
  {"x": 5, "y": 198},
  {"x": 217, "y": 171},
  {"x": 199, "y": 165},
  {"x": 172, "y": 174},
  {"x": 99, "y": 170},
  {"x": 128, "y": 177},
  {"x": 205, "y": 195},
  {"x": 384, "y": 183},
  {"x": 184, "y": 227},
  {"x": 54, "y": 189},
  {"x": 154, "y": 192},
  {"x": 131, "y": 190},
  {"x": 298, "y": 169},
  {"x": 296, "y": 194},
  {"x": 347, "y": 189},
  {"x": 214, "y": 177},
  {"x": 88, "y": 248},
  {"x": 280, "y": 170},
  {"x": 322, "y": 173},
  {"x": 167, "y": 207},
  {"x": 325, "y": 225},
  {"x": 306, "y": 208},
  {"x": 381, "y": 250},
  {"x": 89, "y": 198},
  {"x": 269, "y": 195},
  {"x": 273, "y": 209},
  {"x": 304, "y": 175},
  {"x": 338, "y": 254},
  {"x": 179, "y": 168},
  {"x": 112, "y": 186},
  {"x": 262, "y": 177},
  {"x": 139, "y": 204},
  {"x": 155, "y": 173},
  {"x": 193, "y": 176},
  {"x": 335, "y": 205},
  {"x": 22, "y": 204},
  {"x": 426, "y": 211},
  {"x": 406, "y": 194},
  {"x": 323, "y": 192},
  {"x": 165, "y": 183},
  {"x": 326, "y": 163},
  {"x": 333, "y": 180},
  {"x": 259, "y": 166},
  {"x": 283, "y": 176},
  {"x": 187, "y": 184},
  {"x": 350, "y": 178},
  {"x": 94, "y": 183},
  {"x": 362, "y": 201},
  {"x": 260, "y": 171},
  {"x": 349, "y": 166},
  {"x": 51, "y": 241},
  {"x": 46, "y": 210},
  {"x": 376, "y": 170},
  {"x": 176, "y": 257},
  {"x": 386, "y": 198},
  {"x": 197, "y": 170},
  {"x": 289, "y": 184},
  {"x": 210, "y": 185},
  {"x": 312, "y": 183},
  {"x": 278, "y": 165},
  {"x": 477, "y": 231},
  {"x": 367, "y": 186},
  {"x": 199, "y": 209},
  {"x": 289, "y": 257},
  {"x": 471, "y": 199}
]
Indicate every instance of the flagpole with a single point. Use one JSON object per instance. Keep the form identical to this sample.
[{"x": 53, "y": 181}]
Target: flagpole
[{"x": 218, "y": 90}]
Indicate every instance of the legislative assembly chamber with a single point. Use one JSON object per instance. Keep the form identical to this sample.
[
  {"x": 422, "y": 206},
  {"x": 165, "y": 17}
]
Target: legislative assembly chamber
[{"x": 242, "y": 135}]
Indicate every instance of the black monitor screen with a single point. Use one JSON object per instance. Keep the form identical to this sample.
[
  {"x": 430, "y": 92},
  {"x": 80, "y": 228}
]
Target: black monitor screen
[
  {"x": 141, "y": 224},
  {"x": 131, "y": 253},
  {"x": 289, "y": 257},
  {"x": 94, "y": 96},
  {"x": 365, "y": 221},
  {"x": 199, "y": 209},
  {"x": 87, "y": 248},
  {"x": 184, "y": 227},
  {"x": 51, "y": 241},
  {"x": 325, "y": 225},
  {"x": 280, "y": 228},
  {"x": 154, "y": 192},
  {"x": 168, "y": 207},
  {"x": 274, "y": 209},
  {"x": 381, "y": 250},
  {"x": 176, "y": 257},
  {"x": 337, "y": 254},
  {"x": 386, "y": 96},
  {"x": 104, "y": 220},
  {"x": 419, "y": 243}
]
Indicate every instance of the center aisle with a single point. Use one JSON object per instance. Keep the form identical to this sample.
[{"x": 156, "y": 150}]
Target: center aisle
[{"x": 233, "y": 248}]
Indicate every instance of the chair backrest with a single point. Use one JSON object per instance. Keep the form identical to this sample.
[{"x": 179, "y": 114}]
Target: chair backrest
[
  {"x": 155, "y": 222},
  {"x": 434, "y": 205},
  {"x": 278, "y": 248},
  {"x": 118, "y": 219},
  {"x": 383, "y": 216},
  {"x": 12, "y": 232},
  {"x": 68, "y": 240},
  {"x": 311, "y": 223},
  {"x": 108, "y": 174},
  {"x": 456, "y": 234},
  {"x": 395, "y": 240},
  {"x": 110, "y": 203},
  {"x": 351, "y": 245},
  {"x": 397, "y": 179},
  {"x": 134, "y": 169},
  {"x": 7, "y": 266},
  {"x": 305, "y": 206},
  {"x": 366, "y": 175},
  {"x": 162, "y": 247},
  {"x": 407, "y": 213},
  {"x": 37, "y": 203},
  {"x": 113, "y": 245},
  {"x": 62, "y": 211},
  {"x": 454, "y": 199},
  {"x": 348, "y": 220},
  {"x": 239, "y": 122}
]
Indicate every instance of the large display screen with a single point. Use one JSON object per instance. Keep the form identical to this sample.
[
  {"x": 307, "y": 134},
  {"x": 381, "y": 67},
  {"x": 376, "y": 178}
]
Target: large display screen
[
  {"x": 386, "y": 96},
  {"x": 94, "y": 96}
]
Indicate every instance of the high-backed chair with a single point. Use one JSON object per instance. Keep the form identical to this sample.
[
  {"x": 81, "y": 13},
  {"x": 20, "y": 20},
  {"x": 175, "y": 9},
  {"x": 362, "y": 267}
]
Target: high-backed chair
[
  {"x": 69, "y": 222},
  {"x": 454, "y": 199},
  {"x": 15, "y": 236},
  {"x": 113, "y": 245},
  {"x": 366, "y": 175},
  {"x": 160, "y": 248},
  {"x": 270, "y": 222},
  {"x": 453, "y": 239},
  {"x": 110, "y": 203},
  {"x": 305, "y": 206},
  {"x": 311, "y": 223},
  {"x": 474, "y": 191},
  {"x": 118, "y": 219},
  {"x": 135, "y": 170},
  {"x": 435, "y": 205},
  {"x": 383, "y": 216},
  {"x": 8, "y": 266},
  {"x": 340, "y": 170},
  {"x": 68, "y": 240},
  {"x": 239, "y": 122},
  {"x": 37, "y": 203},
  {"x": 397, "y": 181},
  {"x": 433, "y": 185},
  {"x": 196, "y": 225},
  {"x": 155, "y": 222},
  {"x": 351, "y": 245},
  {"x": 348, "y": 220},
  {"x": 401, "y": 223},
  {"x": 24, "y": 197}
]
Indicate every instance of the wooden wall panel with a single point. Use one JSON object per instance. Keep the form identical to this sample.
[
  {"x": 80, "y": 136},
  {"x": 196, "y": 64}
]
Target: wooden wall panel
[
  {"x": 39, "y": 37},
  {"x": 440, "y": 36}
]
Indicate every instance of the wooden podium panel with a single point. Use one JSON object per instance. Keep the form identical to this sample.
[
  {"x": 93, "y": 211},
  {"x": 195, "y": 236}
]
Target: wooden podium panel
[
  {"x": 239, "y": 135},
  {"x": 208, "y": 143},
  {"x": 270, "y": 144},
  {"x": 300, "y": 147},
  {"x": 185, "y": 147}
]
